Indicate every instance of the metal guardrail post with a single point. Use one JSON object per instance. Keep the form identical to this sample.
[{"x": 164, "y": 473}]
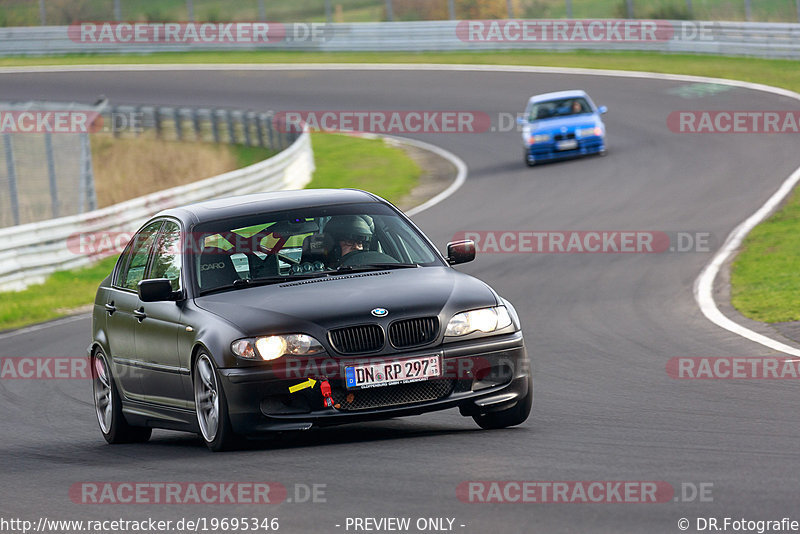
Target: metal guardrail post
[
  {"x": 569, "y": 9},
  {"x": 510, "y": 9},
  {"x": 117, "y": 10},
  {"x": 215, "y": 125},
  {"x": 12, "y": 177},
  {"x": 451, "y": 9},
  {"x": 260, "y": 129},
  {"x": 249, "y": 120},
  {"x": 190, "y": 10},
  {"x": 390, "y": 11},
  {"x": 748, "y": 11},
  {"x": 51, "y": 174},
  {"x": 246, "y": 122},
  {"x": 328, "y": 12},
  {"x": 629, "y": 8},
  {"x": 690, "y": 9},
  {"x": 269, "y": 129},
  {"x": 113, "y": 112},
  {"x": 42, "y": 13},
  {"x": 198, "y": 132},
  {"x": 157, "y": 122},
  {"x": 176, "y": 116},
  {"x": 231, "y": 131},
  {"x": 87, "y": 171},
  {"x": 262, "y": 11},
  {"x": 139, "y": 111}
]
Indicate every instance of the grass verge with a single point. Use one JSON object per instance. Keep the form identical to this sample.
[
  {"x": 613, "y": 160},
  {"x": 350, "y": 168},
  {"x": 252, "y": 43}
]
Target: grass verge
[
  {"x": 778, "y": 72},
  {"x": 57, "y": 296},
  {"x": 342, "y": 161},
  {"x": 764, "y": 282},
  {"x": 345, "y": 161}
]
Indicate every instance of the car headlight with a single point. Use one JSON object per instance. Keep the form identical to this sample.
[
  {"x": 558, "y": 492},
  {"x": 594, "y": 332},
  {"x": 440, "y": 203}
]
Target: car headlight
[
  {"x": 482, "y": 320},
  {"x": 538, "y": 138},
  {"x": 589, "y": 132},
  {"x": 273, "y": 347}
]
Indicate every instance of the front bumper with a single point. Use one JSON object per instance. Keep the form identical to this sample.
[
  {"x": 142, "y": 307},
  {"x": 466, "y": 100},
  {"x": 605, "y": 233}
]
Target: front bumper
[
  {"x": 479, "y": 376},
  {"x": 542, "y": 152}
]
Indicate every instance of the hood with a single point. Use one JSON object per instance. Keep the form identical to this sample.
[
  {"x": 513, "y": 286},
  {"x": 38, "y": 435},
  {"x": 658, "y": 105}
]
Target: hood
[
  {"x": 577, "y": 121},
  {"x": 319, "y": 304}
]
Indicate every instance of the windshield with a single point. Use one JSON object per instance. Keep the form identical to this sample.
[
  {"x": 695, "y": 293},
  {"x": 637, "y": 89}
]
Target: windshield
[
  {"x": 558, "y": 108},
  {"x": 305, "y": 243}
]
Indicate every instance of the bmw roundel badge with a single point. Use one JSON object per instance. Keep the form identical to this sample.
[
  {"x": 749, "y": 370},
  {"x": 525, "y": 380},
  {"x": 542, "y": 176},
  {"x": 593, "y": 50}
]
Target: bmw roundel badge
[{"x": 380, "y": 312}]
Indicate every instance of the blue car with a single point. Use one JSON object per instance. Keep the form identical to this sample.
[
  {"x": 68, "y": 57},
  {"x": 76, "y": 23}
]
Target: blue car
[{"x": 562, "y": 125}]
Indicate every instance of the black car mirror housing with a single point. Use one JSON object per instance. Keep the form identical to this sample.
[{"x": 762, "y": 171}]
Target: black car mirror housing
[
  {"x": 157, "y": 290},
  {"x": 460, "y": 252}
]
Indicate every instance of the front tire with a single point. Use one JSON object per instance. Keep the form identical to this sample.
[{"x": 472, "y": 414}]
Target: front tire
[
  {"x": 211, "y": 406},
  {"x": 108, "y": 407},
  {"x": 528, "y": 161},
  {"x": 510, "y": 417}
]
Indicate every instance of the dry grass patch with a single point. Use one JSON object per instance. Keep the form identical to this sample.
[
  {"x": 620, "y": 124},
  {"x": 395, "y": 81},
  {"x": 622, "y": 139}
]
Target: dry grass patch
[{"x": 132, "y": 167}]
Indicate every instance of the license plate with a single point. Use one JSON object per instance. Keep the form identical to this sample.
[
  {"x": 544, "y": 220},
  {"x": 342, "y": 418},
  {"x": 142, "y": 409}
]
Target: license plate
[
  {"x": 567, "y": 144},
  {"x": 387, "y": 373}
]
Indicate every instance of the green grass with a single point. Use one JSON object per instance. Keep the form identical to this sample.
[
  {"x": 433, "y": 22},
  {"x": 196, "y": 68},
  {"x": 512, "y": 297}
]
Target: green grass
[
  {"x": 779, "y": 72},
  {"x": 345, "y": 161},
  {"x": 764, "y": 278},
  {"x": 249, "y": 155},
  {"x": 342, "y": 161},
  {"x": 60, "y": 292}
]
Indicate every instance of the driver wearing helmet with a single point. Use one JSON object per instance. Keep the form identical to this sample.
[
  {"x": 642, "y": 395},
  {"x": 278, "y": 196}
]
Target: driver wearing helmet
[{"x": 351, "y": 234}]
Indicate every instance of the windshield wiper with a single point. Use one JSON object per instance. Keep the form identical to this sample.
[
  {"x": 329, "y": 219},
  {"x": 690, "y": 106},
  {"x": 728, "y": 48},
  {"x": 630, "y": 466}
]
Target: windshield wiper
[
  {"x": 376, "y": 267},
  {"x": 263, "y": 281}
]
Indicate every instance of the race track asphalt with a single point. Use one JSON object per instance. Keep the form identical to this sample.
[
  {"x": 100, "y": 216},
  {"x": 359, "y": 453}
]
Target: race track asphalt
[{"x": 600, "y": 328}]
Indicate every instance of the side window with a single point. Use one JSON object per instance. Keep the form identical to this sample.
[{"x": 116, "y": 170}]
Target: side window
[
  {"x": 133, "y": 267},
  {"x": 167, "y": 260}
]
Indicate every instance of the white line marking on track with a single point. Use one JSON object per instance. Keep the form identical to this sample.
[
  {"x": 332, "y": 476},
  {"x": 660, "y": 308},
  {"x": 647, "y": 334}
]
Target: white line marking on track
[{"x": 43, "y": 326}]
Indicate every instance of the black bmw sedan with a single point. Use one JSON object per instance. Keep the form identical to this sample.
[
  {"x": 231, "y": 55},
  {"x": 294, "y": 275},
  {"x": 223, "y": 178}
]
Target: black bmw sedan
[{"x": 287, "y": 310}]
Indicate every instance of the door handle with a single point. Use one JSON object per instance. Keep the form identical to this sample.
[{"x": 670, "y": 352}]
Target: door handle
[
  {"x": 110, "y": 308},
  {"x": 140, "y": 314}
]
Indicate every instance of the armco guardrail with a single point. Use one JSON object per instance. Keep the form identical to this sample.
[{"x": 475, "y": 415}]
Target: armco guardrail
[
  {"x": 215, "y": 125},
  {"x": 30, "y": 252},
  {"x": 775, "y": 40},
  {"x": 45, "y": 153}
]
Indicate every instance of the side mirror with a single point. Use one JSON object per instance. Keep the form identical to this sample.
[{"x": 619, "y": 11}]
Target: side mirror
[
  {"x": 156, "y": 290},
  {"x": 460, "y": 252},
  {"x": 602, "y": 109}
]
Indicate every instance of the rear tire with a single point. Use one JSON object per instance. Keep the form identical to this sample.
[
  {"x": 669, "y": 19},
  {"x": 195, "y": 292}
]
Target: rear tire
[
  {"x": 211, "y": 407},
  {"x": 510, "y": 417},
  {"x": 108, "y": 407}
]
